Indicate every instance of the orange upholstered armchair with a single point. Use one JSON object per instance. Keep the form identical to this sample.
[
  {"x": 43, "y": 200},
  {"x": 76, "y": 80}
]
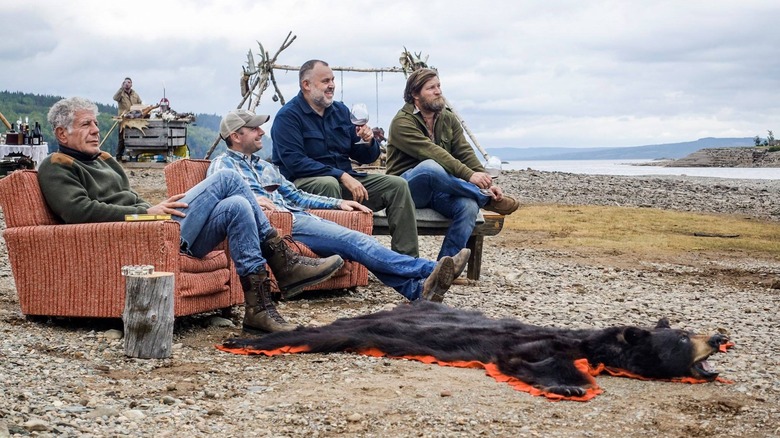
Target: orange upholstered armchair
[
  {"x": 182, "y": 175},
  {"x": 75, "y": 270}
]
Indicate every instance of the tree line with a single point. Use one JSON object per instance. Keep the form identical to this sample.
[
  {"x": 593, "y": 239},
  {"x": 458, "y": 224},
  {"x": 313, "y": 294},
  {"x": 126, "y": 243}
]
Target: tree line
[{"x": 769, "y": 142}]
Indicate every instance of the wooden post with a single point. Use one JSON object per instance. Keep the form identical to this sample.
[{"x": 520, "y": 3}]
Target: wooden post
[{"x": 148, "y": 315}]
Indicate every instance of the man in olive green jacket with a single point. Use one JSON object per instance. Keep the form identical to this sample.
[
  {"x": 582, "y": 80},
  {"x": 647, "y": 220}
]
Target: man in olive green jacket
[{"x": 428, "y": 149}]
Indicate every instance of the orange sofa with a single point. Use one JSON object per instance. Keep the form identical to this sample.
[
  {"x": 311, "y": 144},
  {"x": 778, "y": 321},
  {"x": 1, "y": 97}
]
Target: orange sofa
[{"x": 75, "y": 270}]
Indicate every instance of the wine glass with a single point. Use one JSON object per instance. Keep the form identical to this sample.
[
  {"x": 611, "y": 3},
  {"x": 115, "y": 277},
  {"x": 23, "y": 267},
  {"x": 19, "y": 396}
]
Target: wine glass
[
  {"x": 270, "y": 178},
  {"x": 358, "y": 115},
  {"x": 493, "y": 166}
]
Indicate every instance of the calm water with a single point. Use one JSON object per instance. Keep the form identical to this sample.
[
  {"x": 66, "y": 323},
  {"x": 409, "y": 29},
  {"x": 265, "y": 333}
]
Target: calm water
[{"x": 629, "y": 167}]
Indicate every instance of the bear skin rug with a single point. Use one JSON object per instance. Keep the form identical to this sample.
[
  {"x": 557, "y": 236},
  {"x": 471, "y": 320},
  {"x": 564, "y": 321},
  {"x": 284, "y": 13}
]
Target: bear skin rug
[{"x": 557, "y": 363}]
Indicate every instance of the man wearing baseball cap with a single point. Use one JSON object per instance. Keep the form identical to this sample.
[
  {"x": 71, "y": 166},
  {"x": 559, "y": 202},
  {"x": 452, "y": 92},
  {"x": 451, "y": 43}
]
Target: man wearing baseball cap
[
  {"x": 414, "y": 278},
  {"x": 238, "y": 119}
]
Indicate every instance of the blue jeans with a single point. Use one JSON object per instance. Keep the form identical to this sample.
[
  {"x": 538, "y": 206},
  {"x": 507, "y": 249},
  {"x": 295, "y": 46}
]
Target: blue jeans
[
  {"x": 452, "y": 197},
  {"x": 403, "y": 273},
  {"x": 221, "y": 206}
]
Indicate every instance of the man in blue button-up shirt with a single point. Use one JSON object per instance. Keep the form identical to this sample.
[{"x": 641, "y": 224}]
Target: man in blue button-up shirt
[{"x": 314, "y": 143}]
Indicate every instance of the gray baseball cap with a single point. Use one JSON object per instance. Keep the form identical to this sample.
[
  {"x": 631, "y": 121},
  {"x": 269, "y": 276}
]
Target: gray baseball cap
[{"x": 239, "y": 118}]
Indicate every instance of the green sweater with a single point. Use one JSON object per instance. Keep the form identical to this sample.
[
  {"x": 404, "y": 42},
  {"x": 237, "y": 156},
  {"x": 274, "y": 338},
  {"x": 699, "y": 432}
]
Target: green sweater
[
  {"x": 409, "y": 144},
  {"x": 85, "y": 191}
]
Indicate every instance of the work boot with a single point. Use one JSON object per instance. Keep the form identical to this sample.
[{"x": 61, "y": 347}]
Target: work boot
[
  {"x": 261, "y": 314},
  {"x": 461, "y": 259},
  {"x": 436, "y": 285},
  {"x": 293, "y": 271},
  {"x": 507, "y": 205}
]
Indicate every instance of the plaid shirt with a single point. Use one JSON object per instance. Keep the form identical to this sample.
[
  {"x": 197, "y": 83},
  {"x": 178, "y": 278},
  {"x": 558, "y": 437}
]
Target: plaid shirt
[{"x": 259, "y": 173}]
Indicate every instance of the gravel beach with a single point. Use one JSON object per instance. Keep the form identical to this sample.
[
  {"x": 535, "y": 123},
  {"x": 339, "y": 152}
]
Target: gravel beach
[{"x": 70, "y": 377}]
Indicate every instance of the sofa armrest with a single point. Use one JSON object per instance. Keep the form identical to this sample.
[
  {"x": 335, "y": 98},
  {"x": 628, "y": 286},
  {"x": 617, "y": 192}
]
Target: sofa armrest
[{"x": 354, "y": 220}]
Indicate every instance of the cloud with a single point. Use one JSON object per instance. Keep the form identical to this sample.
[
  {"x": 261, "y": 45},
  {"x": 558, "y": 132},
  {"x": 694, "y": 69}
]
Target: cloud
[{"x": 522, "y": 73}]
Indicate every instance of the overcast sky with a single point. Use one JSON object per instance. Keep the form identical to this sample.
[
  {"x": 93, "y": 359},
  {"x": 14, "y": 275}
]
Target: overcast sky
[{"x": 521, "y": 73}]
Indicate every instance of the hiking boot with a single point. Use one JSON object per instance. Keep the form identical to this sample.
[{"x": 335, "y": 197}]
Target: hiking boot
[
  {"x": 436, "y": 285},
  {"x": 260, "y": 314},
  {"x": 293, "y": 271},
  {"x": 507, "y": 205},
  {"x": 461, "y": 259}
]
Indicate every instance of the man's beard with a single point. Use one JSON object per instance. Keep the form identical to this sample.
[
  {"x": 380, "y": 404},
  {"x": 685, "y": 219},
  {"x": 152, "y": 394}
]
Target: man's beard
[
  {"x": 319, "y": 98},
  {"x": 435, "y": 104}
]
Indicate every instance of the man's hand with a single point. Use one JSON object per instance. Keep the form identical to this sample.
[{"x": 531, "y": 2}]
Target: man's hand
[
  {"x": 359, "y": 193},
  {"x": 365, "y": 132},
  {"x": 265, "y": 203},
  {"x": 347, "y": 205},
  {"x": 481, "y": 180},
  {"x": 498, "y": 194},
  {"x": 169, "y": 206}
]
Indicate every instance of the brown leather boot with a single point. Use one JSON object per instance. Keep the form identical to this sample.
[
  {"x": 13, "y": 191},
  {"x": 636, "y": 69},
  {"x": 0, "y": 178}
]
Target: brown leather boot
[
  {"x": 293, "y": 271},
  {"x": 261, "y": 314},
  {"x": 507, "y": 205},
  {"x": 461, "y": 259},
  {"x": 437, "y": 284}
]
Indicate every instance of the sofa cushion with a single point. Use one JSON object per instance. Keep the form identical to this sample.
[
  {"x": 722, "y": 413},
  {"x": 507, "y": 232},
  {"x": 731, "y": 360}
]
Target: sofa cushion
[
  {"x": 210, "y": 262},
  {"x": 205, "y": 276}
]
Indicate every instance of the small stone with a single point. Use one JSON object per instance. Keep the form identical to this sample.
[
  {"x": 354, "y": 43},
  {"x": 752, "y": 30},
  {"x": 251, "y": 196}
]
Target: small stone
[
  {"x": 257, "y": 389},
  {"x": 218, "y": 321},
  {"x": 445, "y": 393},
  {"x": 354, "y": 418},
  {"x": 113, "y": 334},
  {"x": 134, "y": 414},
  {"x": 102, "y": 411},
  {"x": 36, "y": 425},
  {"x": 168, "y": 400}
]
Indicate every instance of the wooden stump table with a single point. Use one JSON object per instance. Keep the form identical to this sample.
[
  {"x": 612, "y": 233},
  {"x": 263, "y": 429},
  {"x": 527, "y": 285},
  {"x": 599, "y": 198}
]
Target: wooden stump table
[{"x": 148, "y": 315}]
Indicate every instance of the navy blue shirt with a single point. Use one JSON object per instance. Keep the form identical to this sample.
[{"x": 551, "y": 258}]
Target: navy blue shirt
[{"x": 306, "y": 144}]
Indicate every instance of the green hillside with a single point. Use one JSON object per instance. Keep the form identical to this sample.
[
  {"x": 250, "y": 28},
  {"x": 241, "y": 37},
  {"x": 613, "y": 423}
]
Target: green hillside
[{"x": 33, "y": 108}]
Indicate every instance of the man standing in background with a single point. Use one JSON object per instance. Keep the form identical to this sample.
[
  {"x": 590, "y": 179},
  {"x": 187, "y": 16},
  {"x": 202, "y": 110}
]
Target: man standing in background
[{"x": 125, "y": 97}]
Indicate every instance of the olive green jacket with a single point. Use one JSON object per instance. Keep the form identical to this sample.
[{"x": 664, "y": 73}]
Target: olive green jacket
[
  {"x": 125, "y": 101},
  {"x": 409, "y": 144}
]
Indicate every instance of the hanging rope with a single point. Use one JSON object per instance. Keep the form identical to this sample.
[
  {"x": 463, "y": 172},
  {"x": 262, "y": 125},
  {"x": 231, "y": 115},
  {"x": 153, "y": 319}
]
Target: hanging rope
[
  {"x": 342, "y": 86},
  {"x": 376, "y": 82}
]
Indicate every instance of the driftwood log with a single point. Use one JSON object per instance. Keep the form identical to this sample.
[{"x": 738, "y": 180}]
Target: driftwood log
[{"x": 148, "y": 315}]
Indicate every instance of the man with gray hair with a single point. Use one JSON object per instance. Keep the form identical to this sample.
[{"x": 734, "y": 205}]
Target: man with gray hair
[
  {"x": 428, "y": 149},
  {"x": 314, "y": 143},
  {"x": 82, "y": 184}
]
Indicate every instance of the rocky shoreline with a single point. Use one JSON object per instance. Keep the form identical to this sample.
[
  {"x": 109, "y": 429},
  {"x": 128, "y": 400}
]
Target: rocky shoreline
[
  {"x": 747, "y": 197},
  {"x": 728, "y": 157},
  {"x": 70, "y": 377}
]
